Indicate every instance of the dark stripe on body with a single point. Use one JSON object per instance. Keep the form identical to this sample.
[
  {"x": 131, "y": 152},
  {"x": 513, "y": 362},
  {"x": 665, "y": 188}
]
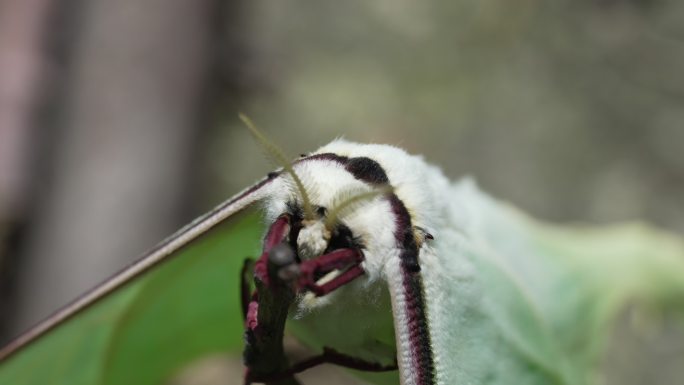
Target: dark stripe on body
[
  {"x": 418, "y": 328},
  {"x": 370, "y": 171},
  {"x": 363, "y": 168}
]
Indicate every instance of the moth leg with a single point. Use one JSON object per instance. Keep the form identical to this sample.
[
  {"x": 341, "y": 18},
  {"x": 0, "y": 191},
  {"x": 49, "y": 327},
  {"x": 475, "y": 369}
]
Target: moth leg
[
  {"x": 338, "y": 281},
  {"x": 267, "y": 310},
  {"x": 279, "y": 258},
  {"x": 245, "y": 287},
  {"x": 276, "y": 254},
  {"x": 336, "y": 260},
  {"x": 329, "y": 356},
  {"x": 275, "y": 236}
]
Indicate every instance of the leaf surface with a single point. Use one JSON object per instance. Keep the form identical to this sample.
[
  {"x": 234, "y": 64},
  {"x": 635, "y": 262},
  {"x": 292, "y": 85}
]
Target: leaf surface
[{"x": 151, "y": 327}]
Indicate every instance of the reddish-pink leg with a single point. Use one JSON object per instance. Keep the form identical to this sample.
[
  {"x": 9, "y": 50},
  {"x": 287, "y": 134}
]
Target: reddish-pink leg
[
  {"x": 276, "y": 234},
  {"x": 264, "y": 345},
  {"x": 336, "y": 260}
]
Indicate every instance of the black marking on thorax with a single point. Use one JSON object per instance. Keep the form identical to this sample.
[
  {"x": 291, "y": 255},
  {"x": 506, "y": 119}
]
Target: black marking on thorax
[
  {"x": 361, "y": 167},
  {"x": 367, "y": 170}
]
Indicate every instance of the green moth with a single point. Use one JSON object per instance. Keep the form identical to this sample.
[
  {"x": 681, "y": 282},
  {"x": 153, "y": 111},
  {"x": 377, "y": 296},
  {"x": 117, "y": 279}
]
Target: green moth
[{"x": 386, "y": 266}]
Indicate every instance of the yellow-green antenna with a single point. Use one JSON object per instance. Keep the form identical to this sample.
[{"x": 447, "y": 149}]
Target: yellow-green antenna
[
  {"x": 338, "y": 208},
  {"x": 279, "y": 156}
]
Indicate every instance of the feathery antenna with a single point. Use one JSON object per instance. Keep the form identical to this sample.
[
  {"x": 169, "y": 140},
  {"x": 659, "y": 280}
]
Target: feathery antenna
[
  {"x": 335, "y": 212},
  {"x": 279, "y": 156}
]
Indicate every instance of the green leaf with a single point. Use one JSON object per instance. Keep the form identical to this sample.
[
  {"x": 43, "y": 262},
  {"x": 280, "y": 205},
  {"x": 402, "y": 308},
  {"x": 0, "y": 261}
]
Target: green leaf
[{"x": 147, "y": 330}]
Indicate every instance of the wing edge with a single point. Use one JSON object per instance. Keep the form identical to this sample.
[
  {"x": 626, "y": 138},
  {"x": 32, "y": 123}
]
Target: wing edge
[{"x": 160, "y": 253}]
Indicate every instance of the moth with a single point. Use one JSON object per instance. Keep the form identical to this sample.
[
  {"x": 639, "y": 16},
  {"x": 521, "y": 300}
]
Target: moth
[
  {"x": 359, "y": 220},
  {"x": 381, "y": 263}
]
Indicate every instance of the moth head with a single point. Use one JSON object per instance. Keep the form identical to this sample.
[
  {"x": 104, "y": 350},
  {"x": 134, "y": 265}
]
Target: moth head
[
  {"x": 329, "y": 230},
  {"x": 328, "y": 208},
  {"x": 342, "y": 210}
]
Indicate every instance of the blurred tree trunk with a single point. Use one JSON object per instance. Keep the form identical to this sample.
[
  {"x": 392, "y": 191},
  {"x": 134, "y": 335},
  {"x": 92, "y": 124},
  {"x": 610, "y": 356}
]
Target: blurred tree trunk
[
  {"x": 22, "y": 65},
  {"x": 21, "y": 60},
  {"x": 126, "y": 136}
]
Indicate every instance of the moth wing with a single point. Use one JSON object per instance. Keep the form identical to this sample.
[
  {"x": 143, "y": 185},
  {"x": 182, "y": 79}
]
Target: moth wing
[
  {"x": 482, "y": 278},
  {"x": 176, "y": 302},
  {"x": 446, "y": 350},
  {"x": 468, "y": 340}
]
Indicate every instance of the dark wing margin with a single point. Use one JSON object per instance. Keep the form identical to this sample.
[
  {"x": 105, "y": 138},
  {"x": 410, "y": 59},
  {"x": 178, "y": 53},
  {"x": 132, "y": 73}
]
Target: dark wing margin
[
  {"x": 161, "y": 253},
  {"x": 405, "y": 280}
]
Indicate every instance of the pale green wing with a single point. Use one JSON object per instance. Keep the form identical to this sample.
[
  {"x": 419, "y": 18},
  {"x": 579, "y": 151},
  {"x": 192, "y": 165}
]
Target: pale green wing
[
  {"x": 177, "y": 303},
  {"x": 515, "y": 301}
]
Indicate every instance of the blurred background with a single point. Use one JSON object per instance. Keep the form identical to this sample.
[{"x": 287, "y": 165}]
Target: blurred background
[{"x": 118, "y": 120}]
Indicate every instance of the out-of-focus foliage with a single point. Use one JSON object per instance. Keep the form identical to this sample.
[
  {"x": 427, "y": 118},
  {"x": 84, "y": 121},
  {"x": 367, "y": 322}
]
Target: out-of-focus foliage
[{"x": 571, "y": 109}]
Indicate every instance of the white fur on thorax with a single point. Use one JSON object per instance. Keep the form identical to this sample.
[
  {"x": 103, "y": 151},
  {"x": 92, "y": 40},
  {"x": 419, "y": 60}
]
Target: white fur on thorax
[
  {"x": 420, "y": 186},
  {"x": 429, "y": 198}
]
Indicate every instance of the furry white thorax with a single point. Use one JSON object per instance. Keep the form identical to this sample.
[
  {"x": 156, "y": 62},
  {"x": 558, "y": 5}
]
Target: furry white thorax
[{"x": 419, "y": 185}]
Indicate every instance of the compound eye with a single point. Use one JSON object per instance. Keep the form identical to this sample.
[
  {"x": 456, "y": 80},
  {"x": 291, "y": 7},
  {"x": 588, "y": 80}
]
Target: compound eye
[
  {"x": 342, "y": 238},
  {"x": 321, "y": 211}
]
